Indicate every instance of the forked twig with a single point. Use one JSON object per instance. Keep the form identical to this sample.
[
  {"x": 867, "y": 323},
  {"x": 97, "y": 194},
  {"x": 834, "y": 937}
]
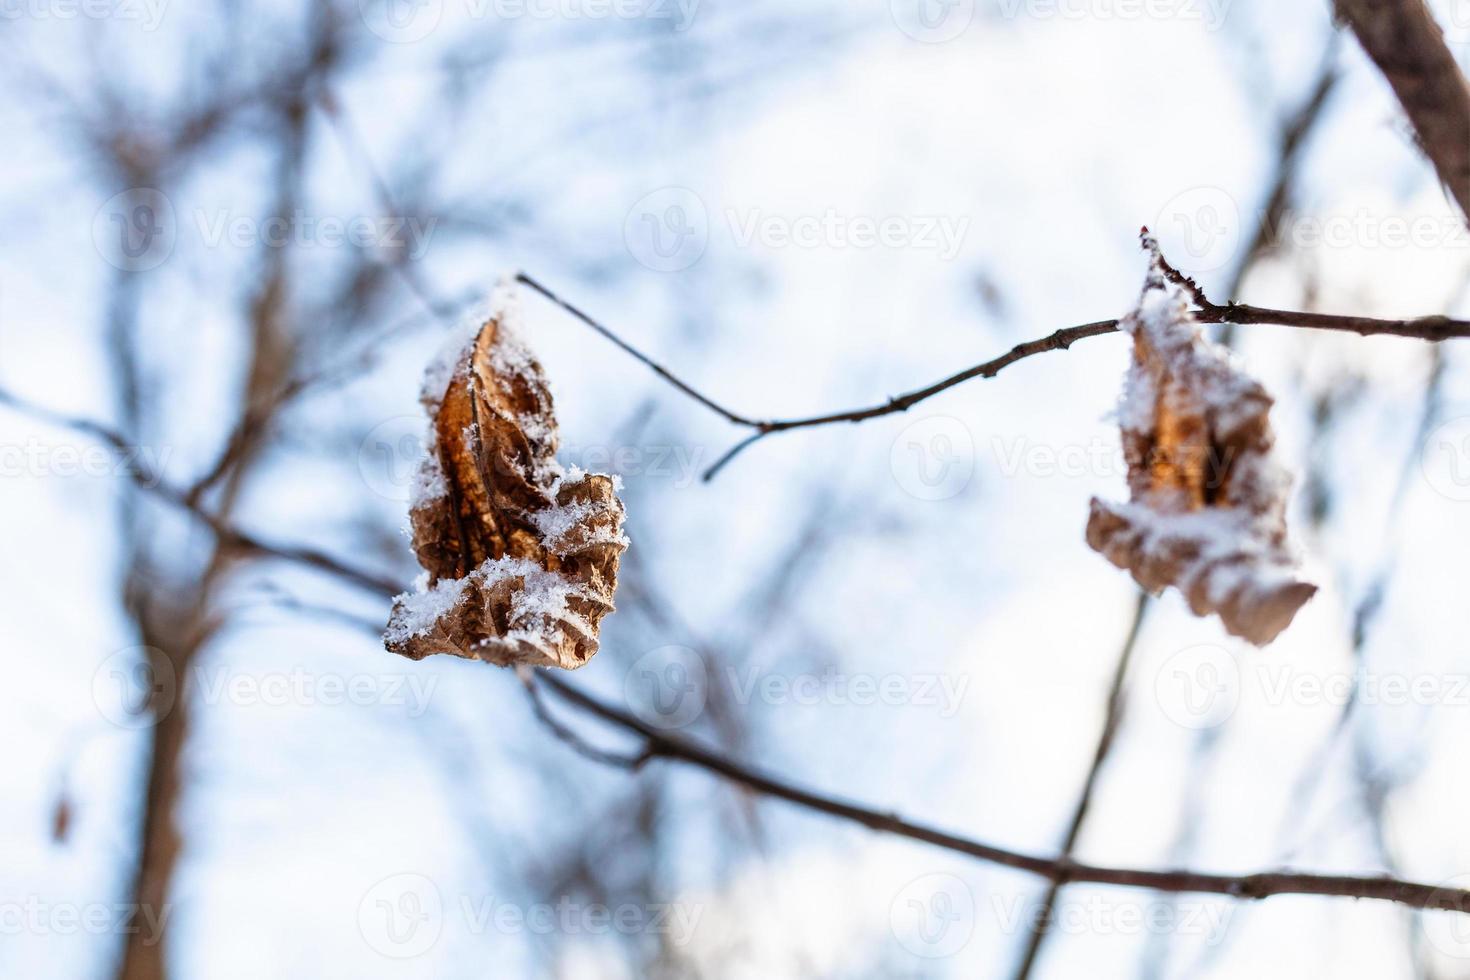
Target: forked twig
[{"x": 1429, "y": 328}]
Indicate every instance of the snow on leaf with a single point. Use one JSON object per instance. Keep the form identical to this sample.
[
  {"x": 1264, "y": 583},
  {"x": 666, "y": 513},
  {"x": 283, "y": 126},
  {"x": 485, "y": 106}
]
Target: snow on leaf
[
  {"x": 1208, "y": 504},
  {"x": 521, "y": 555}
]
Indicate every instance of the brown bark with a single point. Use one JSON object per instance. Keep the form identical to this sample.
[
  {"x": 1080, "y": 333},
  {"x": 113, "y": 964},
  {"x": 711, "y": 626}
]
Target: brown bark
[
  {"x": 143, "y": 954},
  {"x": 1407, "y": 45},
  {"x": 183, "y": 632}
]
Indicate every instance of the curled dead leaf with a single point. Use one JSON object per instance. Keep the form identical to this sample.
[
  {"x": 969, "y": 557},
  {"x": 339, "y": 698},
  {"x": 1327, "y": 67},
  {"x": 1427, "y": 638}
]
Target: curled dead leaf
[
  {"x": 1207, "y": 512},
  {"x": 521, "y": 555}
]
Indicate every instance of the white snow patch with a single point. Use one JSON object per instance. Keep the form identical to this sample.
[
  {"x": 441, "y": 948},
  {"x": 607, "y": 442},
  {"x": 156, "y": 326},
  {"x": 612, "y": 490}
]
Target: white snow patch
[
  {"x": 429, "y": 486},
  {"x": 510, "y": 352},
  {"x": 556, "y": 523},
  {"x": 423, "y": 607}
]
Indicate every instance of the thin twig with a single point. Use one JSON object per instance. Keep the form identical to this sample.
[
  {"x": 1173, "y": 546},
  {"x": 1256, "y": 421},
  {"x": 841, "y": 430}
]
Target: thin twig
[
  {"x": 1058, "y": 869},
  {"x": 253, "y": 420},
  {"x": 578, "y": 744},
  {"x": 353, "y": 144},
  {"x": 1429, "y": 328},
  {"x": 640, "y": 357},
  {"x": 153, "y": 484},
  {"x": 1367, "y": 611},
  {"x": 1291, "y": 138}
]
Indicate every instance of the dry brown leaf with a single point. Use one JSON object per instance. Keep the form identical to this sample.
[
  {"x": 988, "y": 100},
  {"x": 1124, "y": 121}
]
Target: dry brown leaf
[
  {"x": 521, "y": 555},
  {"x": 1207, "y": 512}
]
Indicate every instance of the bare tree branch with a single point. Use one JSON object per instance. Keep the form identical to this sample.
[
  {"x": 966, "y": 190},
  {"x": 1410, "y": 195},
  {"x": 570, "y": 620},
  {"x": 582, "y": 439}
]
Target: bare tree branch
[
  {"x": 658, "y": 744},
  {"x": 228, "y": 535},
  {"x": 1057, "y": 869},
  {"x": 581, "y": 746},
  {"x": 1430, "y": 328},
  {"x": 1409, "y": 48}
]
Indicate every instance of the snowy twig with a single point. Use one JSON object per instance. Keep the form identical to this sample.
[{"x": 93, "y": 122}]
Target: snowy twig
[{"x": 1430, "y": 328}]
